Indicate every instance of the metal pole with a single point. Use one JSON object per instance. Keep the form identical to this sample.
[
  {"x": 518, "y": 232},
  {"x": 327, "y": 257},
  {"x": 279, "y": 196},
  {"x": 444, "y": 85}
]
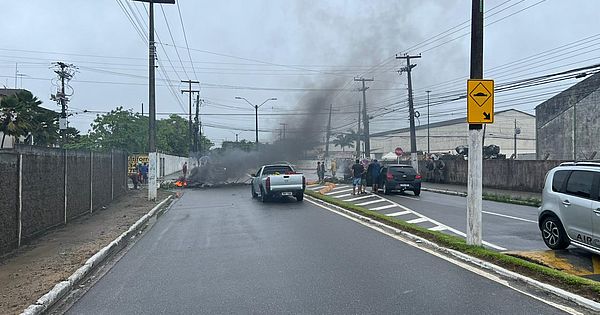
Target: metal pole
[
  {"x": 256, "y": 117},
  {"x": 575, "y": 132},
  {"x": 428, "y": 148},
  {"x": 358, "y": 132},
  {"x": 474, "y": 181},
  {"x": 328, "y": 132},
  {"x": 152, "y": 111},
  {"x": 515, "y": 145}
]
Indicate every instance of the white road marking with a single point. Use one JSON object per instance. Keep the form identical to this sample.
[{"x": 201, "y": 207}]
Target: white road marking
[
  {"x": 360, "y": 198},
  {"x": 338, "y": 192},
  {"x": 395, "y": 214},
  {"x": 340, "y": 187},
  {"x": 417, "y": 220},
  {"x": 371, "y": 202},
  {"x": 438, "y": 228},
  {"x": 383, "y": 207},
  {"x": 342, "y": 196},
  {"x": 408, "y": 197},
  {"x": 508, "y": 216},
  {"x": 316, "y": 188},
  {"x": 451, "y": 260},
  {"x": 453, "y": 230}
]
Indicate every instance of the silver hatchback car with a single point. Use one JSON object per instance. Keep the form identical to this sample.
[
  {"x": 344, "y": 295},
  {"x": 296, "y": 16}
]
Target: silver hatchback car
[{"x": 570, "y": 211}]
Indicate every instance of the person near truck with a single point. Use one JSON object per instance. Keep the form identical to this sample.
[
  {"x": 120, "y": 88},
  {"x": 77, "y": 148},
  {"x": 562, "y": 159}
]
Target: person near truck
[
  {"x": 323, "y": 171},
  {"x": 375, "y": 169},
  {"x": 333, "y": 168},
  {"x": 357, "y": 171},
  {"x": 184, "y": 170}
]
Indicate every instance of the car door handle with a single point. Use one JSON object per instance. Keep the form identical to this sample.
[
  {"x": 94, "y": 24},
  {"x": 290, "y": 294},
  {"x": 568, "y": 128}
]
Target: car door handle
[
  {"x": 566, "y": 202},
  {"x": 597, "y": 212}
]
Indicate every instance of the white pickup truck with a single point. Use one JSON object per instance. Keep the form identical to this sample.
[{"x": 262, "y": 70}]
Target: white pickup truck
[{"x": 278, "y": 180}]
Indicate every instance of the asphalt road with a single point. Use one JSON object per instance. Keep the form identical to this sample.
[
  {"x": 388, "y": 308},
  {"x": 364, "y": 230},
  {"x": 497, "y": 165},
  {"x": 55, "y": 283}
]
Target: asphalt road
[
  {"x": 218, "y": 251},
  {"x": 505, "y": 226},
  {"x": 511, "y": 226}
]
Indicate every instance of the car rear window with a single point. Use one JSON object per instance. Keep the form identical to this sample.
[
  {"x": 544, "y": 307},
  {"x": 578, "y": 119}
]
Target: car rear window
[
  {"x": 399, "y": 170},
  {"x": 558, "y": 180},
  {"x": 270, "y": 170},
  {"x": 580, "y": 184}
]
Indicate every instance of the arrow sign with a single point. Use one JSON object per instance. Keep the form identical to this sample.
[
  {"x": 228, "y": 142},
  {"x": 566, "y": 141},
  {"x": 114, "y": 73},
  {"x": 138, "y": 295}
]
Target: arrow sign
[{"x": 480, "y": 101}]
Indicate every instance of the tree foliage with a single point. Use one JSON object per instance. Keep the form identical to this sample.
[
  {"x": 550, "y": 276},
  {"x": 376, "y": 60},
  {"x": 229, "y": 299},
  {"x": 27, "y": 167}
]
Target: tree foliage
[
  {"x": 343, "y": 140},
  {"x": 22, "y": 116}
]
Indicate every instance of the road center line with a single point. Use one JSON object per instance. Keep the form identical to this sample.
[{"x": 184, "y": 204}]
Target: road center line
[{"x": 508, "y": 216}]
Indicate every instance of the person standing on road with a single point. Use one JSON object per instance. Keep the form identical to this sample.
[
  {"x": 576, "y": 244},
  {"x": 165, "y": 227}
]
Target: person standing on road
[
  {"x": 319, "y": 171},
  {"x": 363, "y": 177},
  {"x": 333, "y": 168},
  {"x": 323, "y": 171},
  {"x": 184, "y": 170},
  {"x": 357, "y": 171},
  {"x": 375, "y": 169},
  {"x": 145, "y": 173}
]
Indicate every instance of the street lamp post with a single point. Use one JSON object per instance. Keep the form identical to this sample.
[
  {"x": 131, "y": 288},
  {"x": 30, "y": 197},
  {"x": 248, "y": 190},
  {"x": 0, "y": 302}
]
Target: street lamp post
[{"x": 256, "y": 110}]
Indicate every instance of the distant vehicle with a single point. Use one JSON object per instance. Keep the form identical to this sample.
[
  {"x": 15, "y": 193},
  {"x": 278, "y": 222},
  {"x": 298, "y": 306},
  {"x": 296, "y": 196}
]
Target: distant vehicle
[
  {"x": 278, "y": 180},
  {"x": 570, "y": 211},
  {"x": 399, "y": 177}
]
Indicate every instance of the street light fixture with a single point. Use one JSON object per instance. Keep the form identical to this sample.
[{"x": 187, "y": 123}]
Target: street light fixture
[{"x": 256, "y": 107}]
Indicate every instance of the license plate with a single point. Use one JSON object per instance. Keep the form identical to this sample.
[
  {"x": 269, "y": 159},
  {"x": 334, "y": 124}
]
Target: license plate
[
  {"x": 404, "y": 185},
  {"x": 286, "y": 193}
]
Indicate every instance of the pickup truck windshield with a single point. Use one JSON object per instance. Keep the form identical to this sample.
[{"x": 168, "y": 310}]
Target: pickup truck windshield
[{"x": 270, "y": 170}]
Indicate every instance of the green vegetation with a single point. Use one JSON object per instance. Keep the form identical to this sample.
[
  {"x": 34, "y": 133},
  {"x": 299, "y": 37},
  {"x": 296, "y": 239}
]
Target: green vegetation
[
  {"x": 578, "y": 285},
  {"x": 22, "y": 117},
  {"x": 128, "y": 131},
  {"x": 343, "y": 140},
  {"x": 534, "y": 202}
]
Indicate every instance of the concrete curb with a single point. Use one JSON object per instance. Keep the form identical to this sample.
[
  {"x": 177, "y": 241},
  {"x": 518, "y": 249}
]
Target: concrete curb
[
  {"x": 444, "y": 191},
  {"x": 577, "y": 299},
  {"x": 64, "y": 287}
]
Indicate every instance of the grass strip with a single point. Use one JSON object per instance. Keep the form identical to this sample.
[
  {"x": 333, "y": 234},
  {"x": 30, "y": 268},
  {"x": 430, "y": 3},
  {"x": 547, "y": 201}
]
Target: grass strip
[
  {"x": 578, "y": 285},
  {"x": 534, "y": 202}
]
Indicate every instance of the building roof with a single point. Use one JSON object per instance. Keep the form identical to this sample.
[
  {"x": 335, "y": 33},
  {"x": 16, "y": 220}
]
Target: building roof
[
  {"x": 575, "y": 93},
  {"x": 456, "y": 121}
]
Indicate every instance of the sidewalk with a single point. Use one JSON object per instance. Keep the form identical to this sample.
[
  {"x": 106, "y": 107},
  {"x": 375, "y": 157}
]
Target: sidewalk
[
  {"x": 35, "y": 268},
  {"x": 462, "y": 190}
]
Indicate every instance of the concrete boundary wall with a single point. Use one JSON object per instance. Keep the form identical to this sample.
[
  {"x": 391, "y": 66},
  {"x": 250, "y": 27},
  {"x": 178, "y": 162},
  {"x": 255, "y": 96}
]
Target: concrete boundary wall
[
  {"x": 525, "y": 175},
  {"x": 170, "y": 164},
  {"x": 42, "y": 188}
]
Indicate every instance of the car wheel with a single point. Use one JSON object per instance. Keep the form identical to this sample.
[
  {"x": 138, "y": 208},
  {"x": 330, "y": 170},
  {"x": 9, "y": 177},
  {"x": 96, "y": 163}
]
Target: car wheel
[
  {"x": 554, "y": 234},
  {"x": 254, "y": 194},
  {"x": 300, "y": 197},
  {"x": 385, "y": 189},
  {"x": 263, "y": 196},
  {"x": 417, "y": 192}
]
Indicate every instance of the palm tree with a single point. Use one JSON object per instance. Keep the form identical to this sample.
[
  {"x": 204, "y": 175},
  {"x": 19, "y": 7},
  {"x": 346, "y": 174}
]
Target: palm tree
[{"x": 343, "y": 140}]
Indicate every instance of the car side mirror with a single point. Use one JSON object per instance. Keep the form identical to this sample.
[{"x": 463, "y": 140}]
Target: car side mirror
[{"x": 253, "y": 175}]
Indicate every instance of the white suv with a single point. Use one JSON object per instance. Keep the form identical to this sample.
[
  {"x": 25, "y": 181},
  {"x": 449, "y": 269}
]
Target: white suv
[{"x": 570, "y": 211}]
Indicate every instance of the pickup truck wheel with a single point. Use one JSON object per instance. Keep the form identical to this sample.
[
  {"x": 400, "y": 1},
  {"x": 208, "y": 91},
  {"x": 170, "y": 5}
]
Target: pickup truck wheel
[
  {"x": 263, "y": 196},
  {"x": 300, "y": 197},
  {"x": 254, "y": 194}
]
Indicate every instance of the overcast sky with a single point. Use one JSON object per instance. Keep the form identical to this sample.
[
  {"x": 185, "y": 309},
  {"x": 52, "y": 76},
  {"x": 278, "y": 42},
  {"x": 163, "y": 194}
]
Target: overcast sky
[{"x": 289, "y": 50}]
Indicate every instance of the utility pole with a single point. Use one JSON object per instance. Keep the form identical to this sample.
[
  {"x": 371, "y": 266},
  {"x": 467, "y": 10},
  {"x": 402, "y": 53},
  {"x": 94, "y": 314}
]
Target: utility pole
[
  {"x": 190, "y": 92},
  {"x": 411, "y": 109},
  {"x": 358, "y": 134},
  {"x": 365, "y": 116},
  {"x": 574, "y": 132},
  {"x": 65, "y": 73},
  {"x": 328, "y": 132},
  {"x": 517, "y": 132},
  {"x": 283, "y": 125},
  {"x": 196, "y": 124},
  {"x": 474, "y": 180},
  {"x": 428, "y": 148},
  {"x": 152, "y": 158},
  {"x": 142, "y": 109}
]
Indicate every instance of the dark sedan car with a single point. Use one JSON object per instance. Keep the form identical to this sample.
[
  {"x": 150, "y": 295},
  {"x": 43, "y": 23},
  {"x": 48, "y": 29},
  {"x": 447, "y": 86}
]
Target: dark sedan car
[{"x": 398, "y": 177}]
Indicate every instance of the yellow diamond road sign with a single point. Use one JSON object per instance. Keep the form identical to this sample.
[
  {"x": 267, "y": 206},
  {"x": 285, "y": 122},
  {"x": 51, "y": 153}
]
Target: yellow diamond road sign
[{"x": 480, "y": 101}]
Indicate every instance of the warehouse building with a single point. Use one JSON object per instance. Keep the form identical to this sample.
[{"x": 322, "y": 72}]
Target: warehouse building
[
  {"x": 568, "y": 123},
  {"x": 445, "y": 136}
]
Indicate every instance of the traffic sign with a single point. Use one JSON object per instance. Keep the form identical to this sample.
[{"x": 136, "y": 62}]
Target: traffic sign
[
  {"x": 480, "y": 101},
  {"x": 399, "y": 151}
]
